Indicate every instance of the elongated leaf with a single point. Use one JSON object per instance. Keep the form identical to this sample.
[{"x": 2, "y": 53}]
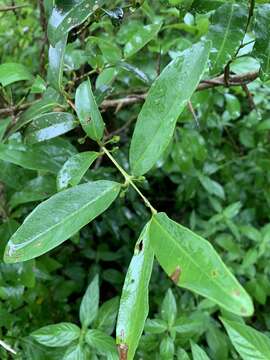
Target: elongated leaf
[
  {"x": 226, "y": 33},
  {"x": 105, "y": 320},
  {"x": 49, "y": 102},
  {"x": 48, "y": 126},
  {"x": 140, "y": 39},
  {"x": 262, "y": 44},
  {"x": 198, "y": 353},
  {"x": 75, "y": 352},
  {"x": 59, "y": 218},
  {"x": 36, "y": 189},
  {"x": 103, "y": 343},
  {"x": 89, "y": 304},
  {"x": 56, "y": 335},
  {"x": 3, "y": 127},
  {"x": 56, "y": 64},
  {"x": 88, "y": 112},
  {"x": 13, "y": 72},
  {"x": 134, "y": 306},
  {"x": 164, "y": 103},
  {"x": 68, "y": 15},
  {"x": 74, "y": 169},
  {"x": 27, "y": 157},
  {"x": 249, "y": 343},
  {"x": 193, "y": 263}
]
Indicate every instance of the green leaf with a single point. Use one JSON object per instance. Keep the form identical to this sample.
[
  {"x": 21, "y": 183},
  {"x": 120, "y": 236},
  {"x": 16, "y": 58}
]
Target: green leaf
[
  {"x": 169, "y": 308},
  {"x": 68, "y": 15},
  {"x": 165, "y": 102},
  {"x": 39, "y": 86},
  {"x": 48, "y": 103},
  {"x": 110, "y": 51},
  {"x": 13, "y": 72},
  {"x": 36, "y": 189},
  {"x": 29, "y": 157},
  {"x": 88, "y": 112},
  {"x": 48, "y": 126},
  {"x": 193, "y": 263},
  {"x": 89, "y": 304},
  {"x": 75, "y": 352},
  {"x": 226, "y": 33},
  {"x": 198, "y": 353},
  {"x": 167, "y": 348},
  {"x": 3, "y": 127},
  {"x": 140, "y": 39},
  {"x": 155, "y": 326},
  {"x": 74, "y": 169},
  {"x": 249, "y": 343},
  {"x": 103, "y": 343},
  {"x": 262, "y": 44},
  {"x": 211, "y": 186},
  {"x": 106, "y": 317},
  {"x": 56, "y": 335},
  {"x": 56, "y": 64},
  {"x": 58, "y": 218},
  {"x": 134, "y": 306}
]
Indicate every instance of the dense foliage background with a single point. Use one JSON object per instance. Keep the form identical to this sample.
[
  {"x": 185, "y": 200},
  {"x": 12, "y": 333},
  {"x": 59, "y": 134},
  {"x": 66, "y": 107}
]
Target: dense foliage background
[{"x": 213, "y": 177}]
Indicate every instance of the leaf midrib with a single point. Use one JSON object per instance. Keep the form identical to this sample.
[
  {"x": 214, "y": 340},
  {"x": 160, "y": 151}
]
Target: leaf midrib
[
  {"x": 60, "y": 223},
  {"x": 194, "y": 263}
]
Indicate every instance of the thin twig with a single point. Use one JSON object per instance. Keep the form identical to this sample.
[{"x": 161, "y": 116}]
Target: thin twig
[
  {"x": 235, "y": 80},
  {"x": 12, "y": 8}
]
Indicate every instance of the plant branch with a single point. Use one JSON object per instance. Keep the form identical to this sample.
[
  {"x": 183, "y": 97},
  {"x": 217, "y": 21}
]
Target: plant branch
[
  {"x": 12, "y": 7},
  {"x": 235, "y": 80},
  {"x": 129, "y": 180}
]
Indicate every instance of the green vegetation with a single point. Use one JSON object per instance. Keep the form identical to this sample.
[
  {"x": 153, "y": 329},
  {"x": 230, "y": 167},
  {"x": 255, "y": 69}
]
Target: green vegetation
[{"x": 134, "y": 180}]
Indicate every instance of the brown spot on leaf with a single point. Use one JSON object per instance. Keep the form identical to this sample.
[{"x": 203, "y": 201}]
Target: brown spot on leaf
[
  {"x": 175, "y": 276},
  {"x": 214, "y": 273},
  {"x": 122, "y": 351}
]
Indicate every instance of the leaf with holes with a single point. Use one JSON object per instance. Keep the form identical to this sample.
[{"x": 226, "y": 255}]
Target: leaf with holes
[{"x": 134, "y": 306}]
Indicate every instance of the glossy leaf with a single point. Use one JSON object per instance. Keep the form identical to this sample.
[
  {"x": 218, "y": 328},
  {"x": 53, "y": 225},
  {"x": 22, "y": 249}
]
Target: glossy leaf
[
  {"x": 105, "y": 320},
  {"x": 56, "y": 63},
  {"x": 169, "y": 308},
  {"x": 211, "y": 186},
  {"x": 58, "y": 218},
  {"x": 89, "y": 304},
  {"x": 226, "y": 33},
  {"x": 56, "y": 335},
  {"x": 198, "y": 353},
  {"x": 68, "y": 15},
  {"x": 13, "y": 72},
  {"x": 262, "y": 44},
  {"x": 88, "y": 112},
  {"x": 3, "y": 127},
  {"x": 27, "y": 157},
  {"x": 48, "y": 126},
  {"x": 134, "y": 306},
  {"x": 48, "y": 103},
  {"x": 164, "y": 103},
  {"x": 36, "y": 189},
  {"x": 75, "y": 352},
  {"x": 74, "y": 169},
  {"x": 249, "y": 343},
  {"x": 193, "y": 263},
  {"x": 140, "y": 39},
  {"x": 102, "y": 343}
]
